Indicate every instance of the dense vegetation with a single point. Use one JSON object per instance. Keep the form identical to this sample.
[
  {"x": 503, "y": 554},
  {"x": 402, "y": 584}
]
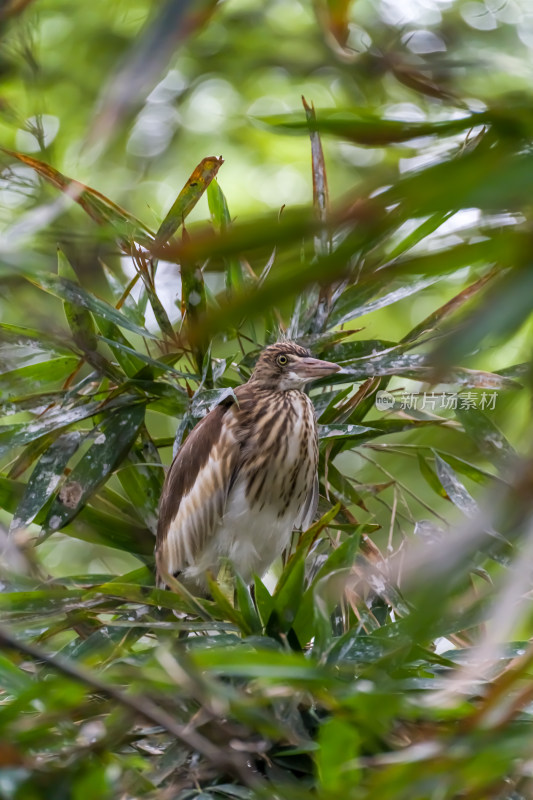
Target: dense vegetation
[{"x": 387, "y": 654}]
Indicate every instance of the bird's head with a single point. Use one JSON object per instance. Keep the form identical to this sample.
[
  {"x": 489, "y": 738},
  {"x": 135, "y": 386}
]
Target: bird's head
[{"x": 286, "y": 365}]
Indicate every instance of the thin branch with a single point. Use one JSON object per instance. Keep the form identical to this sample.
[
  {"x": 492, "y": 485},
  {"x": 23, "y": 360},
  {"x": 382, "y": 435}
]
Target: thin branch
[{"x": 225, "y": 760}]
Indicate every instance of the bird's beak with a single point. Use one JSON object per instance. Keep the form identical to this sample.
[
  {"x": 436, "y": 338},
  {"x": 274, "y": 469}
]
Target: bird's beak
[{"x": 313, "y": 368}]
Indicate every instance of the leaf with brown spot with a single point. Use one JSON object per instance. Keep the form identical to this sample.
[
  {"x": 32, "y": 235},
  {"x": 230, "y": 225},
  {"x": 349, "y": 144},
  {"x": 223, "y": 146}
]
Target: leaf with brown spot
[{"x": 184, "y": 203}]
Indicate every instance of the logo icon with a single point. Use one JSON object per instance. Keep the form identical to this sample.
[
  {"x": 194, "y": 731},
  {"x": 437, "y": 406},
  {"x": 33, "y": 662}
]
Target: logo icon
[{"x": 384, "y": 400}]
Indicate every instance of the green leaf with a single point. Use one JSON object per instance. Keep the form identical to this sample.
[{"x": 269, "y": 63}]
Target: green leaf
[
  {"x": 90, "y": 525},
  {"x": 342, "y": 431},
  {"x": 97, "y": 527},
  {"x": 266, "y": 665},
  {"x": 430, "y": 477},
  {"x": 504, "y": 307},
  {"x": 205, "y": 401},
  {"x": 455, "y": 490},
  {"x": 114, "y": 437},
  {"x": 323, "y": 595},
  {"x": 360, "y": 126},
  {"x": 263, "y": 599},
  {"x": 42, "y": 373},
  {"x": 226, "y": 608},
  {"x": 45, "y": 478},
  {"x": 337, "y": 759},
  {"x": 56, "y": 419},
  {"x": 487, "y": 436},
  {"x": 120, "y": 347},
  {"x": 75, "y": 294},
  {"x": 246, "y": 606},
  {"x": 122, "y": 300},
  {"x": 80, "y": 321},
  {"x": 96, "y": 205},
  {"x": 13, "y": 679},
  {"x": 196, "y": 185},
  {"x": 142, "y": 594},
  {"x": 34, "y": 339},
  {"x": 287, "y": 596},
  {"x": 222, "y": 219},
  {"x": 137, "y": 359},
  {"x": 433, "y": 320},
  {"x": 142, "y": 479}
]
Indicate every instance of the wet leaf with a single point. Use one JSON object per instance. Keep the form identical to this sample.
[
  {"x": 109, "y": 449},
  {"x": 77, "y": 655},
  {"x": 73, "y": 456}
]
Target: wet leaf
[
  {"x": 342, "y": 431},
  {"x": 114, "y": 438},
  {"x": 34, "y": 339},
  {"x": 54, "y": 420},
  {"x": 208, "y": 399},
  {"x": 73, "y": 293},
  {"x": 455, "y": 490},
  {"x": 45, "y": 478},
  {"x": 349, "y": 305},
  {"x": 488, "y": 437}
]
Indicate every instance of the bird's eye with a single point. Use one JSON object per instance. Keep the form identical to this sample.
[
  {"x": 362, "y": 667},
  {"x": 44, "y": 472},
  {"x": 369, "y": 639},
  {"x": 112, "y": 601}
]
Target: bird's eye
[{"x": 282, "y": 360}]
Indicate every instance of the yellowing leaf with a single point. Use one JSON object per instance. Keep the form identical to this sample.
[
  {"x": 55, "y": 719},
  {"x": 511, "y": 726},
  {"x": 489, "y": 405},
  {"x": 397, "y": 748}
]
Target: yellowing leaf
[{"x": 198, "y": 182}]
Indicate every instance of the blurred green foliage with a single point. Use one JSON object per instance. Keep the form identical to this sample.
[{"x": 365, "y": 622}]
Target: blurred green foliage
[{"x": 385, "y": 224}]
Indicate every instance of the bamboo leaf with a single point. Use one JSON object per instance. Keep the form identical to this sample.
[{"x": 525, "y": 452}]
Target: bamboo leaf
[
  {"x": 45, "y": 478},
  {"x": 38, "y": 341},
  {"x": 340, "y": 744},
  {"x": 73, "y": 293},
  {"x": 115, "y": 436},
  {"x": 455, "y": 490},
  {"x": 80, "y": 321},
  {"x": 365, "y": 128},
  {"x": 487, "y": 436},
  {"x": 35, "y": 375},
  {"x": 194, "y": 188},
  {"x": 55, "y": 420},
  {"x": 349, "y": 306},
  {"x": 138, "y": 358},
  {"x": 96, "y": 205},
  {"x": 120, "y": 347},
  {"x": 142, "y": 479},
  {"x": 221, "y": 217},
  {"x": 320, "y": 183}
]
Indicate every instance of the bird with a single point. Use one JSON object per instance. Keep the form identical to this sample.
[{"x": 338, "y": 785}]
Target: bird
[{"x": 245, "y": 477}]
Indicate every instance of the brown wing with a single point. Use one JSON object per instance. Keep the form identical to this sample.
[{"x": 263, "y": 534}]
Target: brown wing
[
  {"x": 195, "y": 491},
  {"x": 307, "y": 514}
]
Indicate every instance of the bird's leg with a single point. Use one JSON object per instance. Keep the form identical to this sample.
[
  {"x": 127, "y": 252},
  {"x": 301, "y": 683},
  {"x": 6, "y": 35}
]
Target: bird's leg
[{"x": 226, "y": 582}]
